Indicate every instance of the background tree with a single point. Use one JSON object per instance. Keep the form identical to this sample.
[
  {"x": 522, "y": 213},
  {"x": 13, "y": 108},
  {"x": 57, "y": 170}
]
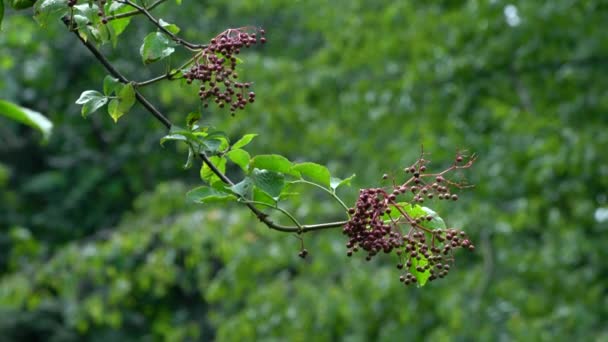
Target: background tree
[{"x": 363, "y": 85}]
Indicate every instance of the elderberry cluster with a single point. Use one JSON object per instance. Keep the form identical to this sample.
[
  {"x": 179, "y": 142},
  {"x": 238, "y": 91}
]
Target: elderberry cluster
[
  {"x": 380, "y": 222},
  {"x": 430, "y": 251},
  {"x": 215, "y": 69},
  {"x": 367, "y": 228}
]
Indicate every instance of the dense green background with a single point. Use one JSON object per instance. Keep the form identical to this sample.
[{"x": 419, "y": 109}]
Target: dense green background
[{"x": 98, "y": 243}]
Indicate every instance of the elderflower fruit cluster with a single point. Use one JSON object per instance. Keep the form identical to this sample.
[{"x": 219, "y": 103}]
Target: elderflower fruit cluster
[
  {"x": 215, "y": 69},
  {"x": 381, "y": 222}
]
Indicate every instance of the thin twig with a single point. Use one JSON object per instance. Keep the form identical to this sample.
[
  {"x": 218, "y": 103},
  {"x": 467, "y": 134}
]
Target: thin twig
[
  {"x": 276, "y": 207},
  {"x": 167, "y": 76},
  {"x": 331, "y": 193},
  {"x": 134, "y": 12},
  {"x": 191, "y": 46}
]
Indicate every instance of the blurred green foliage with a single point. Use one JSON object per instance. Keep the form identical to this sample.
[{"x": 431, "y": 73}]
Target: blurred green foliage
[{"x": 98, "y": 243}]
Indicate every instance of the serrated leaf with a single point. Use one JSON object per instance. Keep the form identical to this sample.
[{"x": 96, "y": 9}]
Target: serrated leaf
[
  {"x": 46, "y": 10},
  {"x": 110, "y": 84},
  {"x": 336, "y": 182},
  {"x": 313, "y": 172},
  {"x": 239, "y": 157},
  {"x": 28, "y": 117},
  {"x": 91, "y": 100},
  {"x": 244, "y": 140},
  {"x": 205, "y": 194},
  {"x": 271, "y": 162},
  {"x": 169, "y": 27},
  {"x": 156, "y": 46},
  {"x": 268, "y": 181}
]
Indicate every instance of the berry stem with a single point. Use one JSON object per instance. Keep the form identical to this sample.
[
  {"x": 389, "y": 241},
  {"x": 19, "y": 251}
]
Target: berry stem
[
  {"x": 409, "y": 218},
  {"x": 331, "y": 193},
  {"x": 167, "y": 76},
  {"x": 275, "y": 207}
]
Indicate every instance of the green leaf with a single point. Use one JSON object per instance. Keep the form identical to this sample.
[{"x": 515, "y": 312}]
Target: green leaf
[
  {"x": 46, "y": 10},
  {"x": 336, "y": 182},
  {"x": 314, "y": 172},
  {"x": 169, "y": 27},
  {"x": 177, "y": 133},
  {"x": 214, "y": 142},
  {"x": 270, "y": 182},
  {"x": 272, "y": 162},
  {"x": 436, "y": 223},
  {"x": 415, "y": 211},
  {"x": 117, "y": 26},
  {"x": 192, "y": 119},
  {"x": 21, "y": 4},
  {"x": 261, "y": 196},
  {"x": 28, "y": 117},
  {"x": 245, "y": 139},
  {"x": 123, "y": 103},
  {"x": 423, "y": 276},
  {"x": 172, "y": 137},
  {"x": 239, "y": 157},
  {"x": 81, "y": 26},
  {"x": 189, "y": 160},
  {"x": 243, "y": 188},
  {"x": 207, "y": 174},
  {"x": 89, "y": 24},
  {"x": 110, "y": 84},
  {"x": 115, "y": 7},
  {"x": 91, "y": 100},
  {"x": 205, "y": 194},
  {"x": 156, "y": 46}
]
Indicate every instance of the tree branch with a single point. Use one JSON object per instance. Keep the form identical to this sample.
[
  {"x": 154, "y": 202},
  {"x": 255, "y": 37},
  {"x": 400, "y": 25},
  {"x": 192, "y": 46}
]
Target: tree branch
[
  {"x": 167, "y": 76},
  {"x": 263, "y": 217},
  {"x": 110, "y": 68}
]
